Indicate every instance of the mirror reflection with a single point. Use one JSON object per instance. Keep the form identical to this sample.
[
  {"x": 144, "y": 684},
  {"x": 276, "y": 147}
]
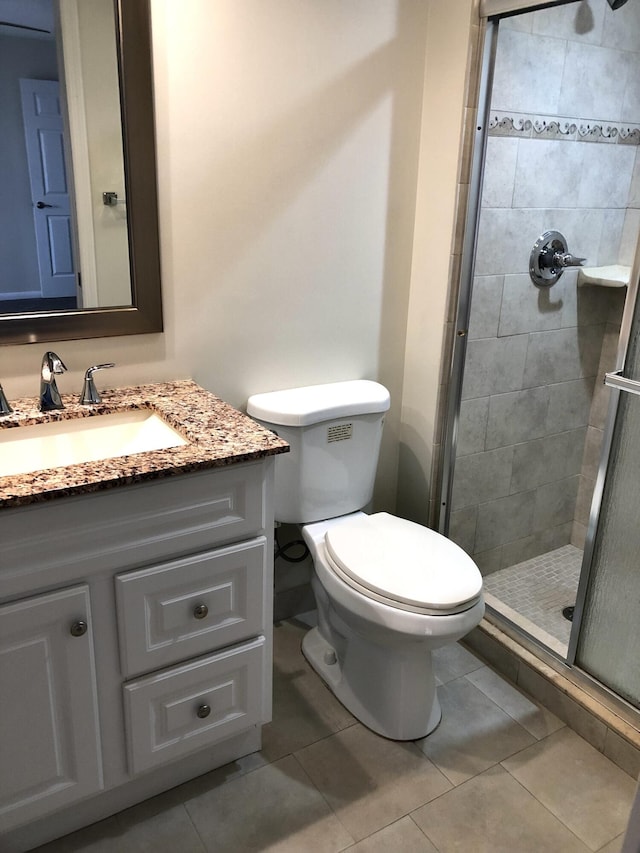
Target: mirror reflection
[{"x": 63, "y": 221}]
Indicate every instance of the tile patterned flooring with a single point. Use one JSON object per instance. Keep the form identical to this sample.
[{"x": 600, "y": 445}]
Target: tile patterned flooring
[
  {"x": 500, "y": 774},
  {"x": 539, "y": 588}
]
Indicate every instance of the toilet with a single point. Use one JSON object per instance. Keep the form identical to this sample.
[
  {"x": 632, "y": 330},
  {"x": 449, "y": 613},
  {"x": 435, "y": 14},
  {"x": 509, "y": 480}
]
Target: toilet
[{"x": 388, "y": 591}]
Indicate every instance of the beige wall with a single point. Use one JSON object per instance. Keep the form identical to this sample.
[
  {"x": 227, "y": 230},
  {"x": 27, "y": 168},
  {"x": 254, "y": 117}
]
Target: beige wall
[
  {"x": 452, "y": 37},
  {"x": 288, "y": 149}
]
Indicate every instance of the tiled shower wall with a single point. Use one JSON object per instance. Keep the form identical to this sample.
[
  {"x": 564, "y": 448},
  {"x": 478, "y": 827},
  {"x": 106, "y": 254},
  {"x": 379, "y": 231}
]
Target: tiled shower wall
[
  {"x": 562, "y": 155},
  {"x": 597, "y": 419}
]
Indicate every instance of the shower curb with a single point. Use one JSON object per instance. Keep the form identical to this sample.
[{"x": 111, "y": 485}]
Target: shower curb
[{"x": 598, "y": 717}]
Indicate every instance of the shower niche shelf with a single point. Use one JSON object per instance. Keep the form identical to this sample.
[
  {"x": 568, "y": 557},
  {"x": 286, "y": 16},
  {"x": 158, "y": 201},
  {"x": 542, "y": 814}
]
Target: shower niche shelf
[{"x": 614, "y": 275}]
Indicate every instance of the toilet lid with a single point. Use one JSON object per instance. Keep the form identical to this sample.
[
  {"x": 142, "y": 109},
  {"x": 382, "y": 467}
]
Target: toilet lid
[{"x": 404, "y": 562}]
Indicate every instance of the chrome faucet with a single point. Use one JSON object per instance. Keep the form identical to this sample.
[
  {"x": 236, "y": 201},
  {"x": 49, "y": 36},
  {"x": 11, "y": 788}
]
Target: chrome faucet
[
  {"x": 5, "y": 408},
  {"x": 52, "y": 365},
  {"x": 90, "y": 393}
]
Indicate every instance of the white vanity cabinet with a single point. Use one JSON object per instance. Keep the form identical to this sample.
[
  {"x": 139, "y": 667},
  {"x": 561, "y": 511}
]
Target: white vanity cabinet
[{"x": 168, "y": 586}]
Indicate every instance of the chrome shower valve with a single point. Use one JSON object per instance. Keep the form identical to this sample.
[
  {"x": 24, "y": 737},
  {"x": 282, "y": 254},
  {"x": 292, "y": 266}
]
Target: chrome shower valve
[{"x": 549, "y": 258}]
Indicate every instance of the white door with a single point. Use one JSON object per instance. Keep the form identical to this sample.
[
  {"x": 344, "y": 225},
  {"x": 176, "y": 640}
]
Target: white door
[
  {"x": 49, "y": 742},
  {"x": 44, "y": 137}
]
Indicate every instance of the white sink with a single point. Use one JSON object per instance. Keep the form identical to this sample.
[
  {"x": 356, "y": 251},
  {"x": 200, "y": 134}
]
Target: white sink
[{"x": 69, "y": 442}]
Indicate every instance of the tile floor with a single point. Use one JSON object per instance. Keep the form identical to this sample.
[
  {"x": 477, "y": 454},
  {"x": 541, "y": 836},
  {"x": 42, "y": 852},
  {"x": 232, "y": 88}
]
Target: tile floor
[
  {"x": 500, "y": 774},
  {"x": 539, "y": 588}
]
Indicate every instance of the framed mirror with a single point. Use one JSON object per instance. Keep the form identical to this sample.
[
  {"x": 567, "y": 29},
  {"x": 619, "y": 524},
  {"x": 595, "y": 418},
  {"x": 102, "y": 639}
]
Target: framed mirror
[{"x": 120, "y": 299}]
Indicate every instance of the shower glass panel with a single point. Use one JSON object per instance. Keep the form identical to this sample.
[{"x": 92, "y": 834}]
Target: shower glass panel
[
  {"x": 610, "y": 629},
  {"x": 561, "y": 155}
]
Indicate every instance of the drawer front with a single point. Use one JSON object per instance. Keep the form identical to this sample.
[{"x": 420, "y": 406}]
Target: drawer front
[
  {"x": 190, "y": 707},
  {"x": 133, "y": 525},
  {"x": 191, "y": 606}
]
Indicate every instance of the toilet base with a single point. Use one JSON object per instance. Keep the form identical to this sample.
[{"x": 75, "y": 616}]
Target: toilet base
[{"x": 394, "y": 697}]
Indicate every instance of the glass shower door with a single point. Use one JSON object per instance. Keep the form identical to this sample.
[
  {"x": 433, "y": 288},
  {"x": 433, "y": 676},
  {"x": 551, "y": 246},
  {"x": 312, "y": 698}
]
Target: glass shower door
[{"x": 609, "y": 631}]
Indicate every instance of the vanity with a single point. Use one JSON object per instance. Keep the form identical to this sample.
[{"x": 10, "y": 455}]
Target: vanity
[{"x": 135, "y": 612}]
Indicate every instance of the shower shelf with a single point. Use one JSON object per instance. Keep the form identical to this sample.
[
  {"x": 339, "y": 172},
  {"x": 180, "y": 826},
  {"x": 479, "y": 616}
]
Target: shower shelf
[{"x": 614, "y": 275}]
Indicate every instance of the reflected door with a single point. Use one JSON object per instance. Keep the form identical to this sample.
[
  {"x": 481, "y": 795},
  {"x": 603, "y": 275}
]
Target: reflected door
[
  {"x": 609, "y": 633},
  {"x": 49, "y": 186}
]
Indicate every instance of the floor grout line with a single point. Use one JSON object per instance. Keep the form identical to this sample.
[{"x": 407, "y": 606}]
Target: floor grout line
[
  {"x": 547, "y": 809},
  {"x": 354, "y": 793}
]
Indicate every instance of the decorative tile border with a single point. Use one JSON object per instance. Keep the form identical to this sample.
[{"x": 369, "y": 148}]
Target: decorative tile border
[
  {"x": 524, "y": 126},
  {"x": 510, "y": 126},
  {"x": 554, "y": 129}
]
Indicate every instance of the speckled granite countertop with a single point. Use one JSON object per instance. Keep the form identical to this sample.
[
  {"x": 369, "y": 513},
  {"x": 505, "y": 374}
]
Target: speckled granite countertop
[{"x": 217, "y": 435}]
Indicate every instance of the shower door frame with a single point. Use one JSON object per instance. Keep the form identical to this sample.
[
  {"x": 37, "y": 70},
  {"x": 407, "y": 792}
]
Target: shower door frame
[
  {"x": 493, "y": 11},
  {"x": 467, "y": 266}
]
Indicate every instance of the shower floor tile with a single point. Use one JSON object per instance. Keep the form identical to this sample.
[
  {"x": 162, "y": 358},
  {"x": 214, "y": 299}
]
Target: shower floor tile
[{"x": 539, "y": 588}]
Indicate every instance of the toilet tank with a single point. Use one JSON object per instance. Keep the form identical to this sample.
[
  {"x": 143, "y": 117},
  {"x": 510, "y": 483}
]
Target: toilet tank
[{"x": 334, "y": 432}]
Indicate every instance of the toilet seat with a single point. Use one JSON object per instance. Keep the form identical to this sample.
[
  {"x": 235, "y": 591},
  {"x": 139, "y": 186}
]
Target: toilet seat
[{"x": 403, "y": 565}]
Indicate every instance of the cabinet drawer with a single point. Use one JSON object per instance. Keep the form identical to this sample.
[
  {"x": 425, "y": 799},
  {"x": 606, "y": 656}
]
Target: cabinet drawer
[
  {"x": 133, "y": 525},
  {"x": 191, "y": 707},
  {"x": 188, "y": 607}
]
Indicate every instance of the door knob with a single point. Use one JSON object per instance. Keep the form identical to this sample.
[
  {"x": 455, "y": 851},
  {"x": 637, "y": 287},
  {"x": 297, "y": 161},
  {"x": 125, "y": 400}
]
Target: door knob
[{"x": 41, "y": 204}]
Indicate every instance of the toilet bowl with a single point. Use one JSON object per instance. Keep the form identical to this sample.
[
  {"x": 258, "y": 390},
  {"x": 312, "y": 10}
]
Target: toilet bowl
[
  {"x": 375, "y": 634},
  {"x": 388, "y": 591}
]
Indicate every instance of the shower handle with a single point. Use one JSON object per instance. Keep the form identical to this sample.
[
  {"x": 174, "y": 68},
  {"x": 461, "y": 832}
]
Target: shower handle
[
  {"x": 549, "y": 258},
  {"x": 566, "y": 259}
]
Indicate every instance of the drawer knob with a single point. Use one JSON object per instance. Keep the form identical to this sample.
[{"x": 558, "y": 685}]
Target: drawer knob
[
  {"x": 203, "y": 711},
  {"x": 200, "y": 611},
  {"x": 78, "y": 628}
]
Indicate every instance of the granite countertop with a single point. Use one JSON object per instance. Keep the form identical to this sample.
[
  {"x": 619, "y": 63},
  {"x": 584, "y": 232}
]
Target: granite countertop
[{"x": 217, "y": 435}]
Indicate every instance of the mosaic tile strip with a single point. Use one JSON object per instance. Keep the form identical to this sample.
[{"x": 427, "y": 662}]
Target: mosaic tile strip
[{"x": 524, "y": 126}]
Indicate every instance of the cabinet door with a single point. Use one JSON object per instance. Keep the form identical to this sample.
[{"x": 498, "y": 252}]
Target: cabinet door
[{"x": 49, "y": 742}]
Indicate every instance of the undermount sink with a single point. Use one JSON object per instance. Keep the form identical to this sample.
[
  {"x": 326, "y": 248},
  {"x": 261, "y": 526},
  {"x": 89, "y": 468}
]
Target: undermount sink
[{"x": 56, "y": 444}]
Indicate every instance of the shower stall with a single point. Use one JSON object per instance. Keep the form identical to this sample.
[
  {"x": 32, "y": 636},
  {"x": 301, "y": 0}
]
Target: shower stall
[{"x": 541, "y": 469}]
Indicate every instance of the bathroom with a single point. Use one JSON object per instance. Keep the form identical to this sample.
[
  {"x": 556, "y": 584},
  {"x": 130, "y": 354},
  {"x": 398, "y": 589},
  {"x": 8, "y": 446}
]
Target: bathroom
[{"x": 309, "y": 180}]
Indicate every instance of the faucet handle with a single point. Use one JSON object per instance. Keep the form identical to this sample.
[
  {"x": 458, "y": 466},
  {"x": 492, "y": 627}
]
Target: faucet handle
[
  {"x": 90, "y": 393},
  {"x": 5, "y": 408}
]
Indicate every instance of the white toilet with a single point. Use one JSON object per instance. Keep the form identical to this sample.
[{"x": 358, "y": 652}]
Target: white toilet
[{"x": 388, "y": 590}]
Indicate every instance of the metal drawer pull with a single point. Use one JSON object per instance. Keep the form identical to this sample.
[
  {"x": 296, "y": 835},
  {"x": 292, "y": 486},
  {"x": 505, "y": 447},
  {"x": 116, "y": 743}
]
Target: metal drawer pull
[
  {"x": 203, "y": 711},
  {"x": 200, "y": 611},
  {"x": 78, "y": 628},
  {"x": 617, "y": 380}
]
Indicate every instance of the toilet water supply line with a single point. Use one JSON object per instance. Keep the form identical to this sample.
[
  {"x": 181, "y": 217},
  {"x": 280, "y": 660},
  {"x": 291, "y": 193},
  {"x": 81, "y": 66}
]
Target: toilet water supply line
[{"x": 281, "y": 550}]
